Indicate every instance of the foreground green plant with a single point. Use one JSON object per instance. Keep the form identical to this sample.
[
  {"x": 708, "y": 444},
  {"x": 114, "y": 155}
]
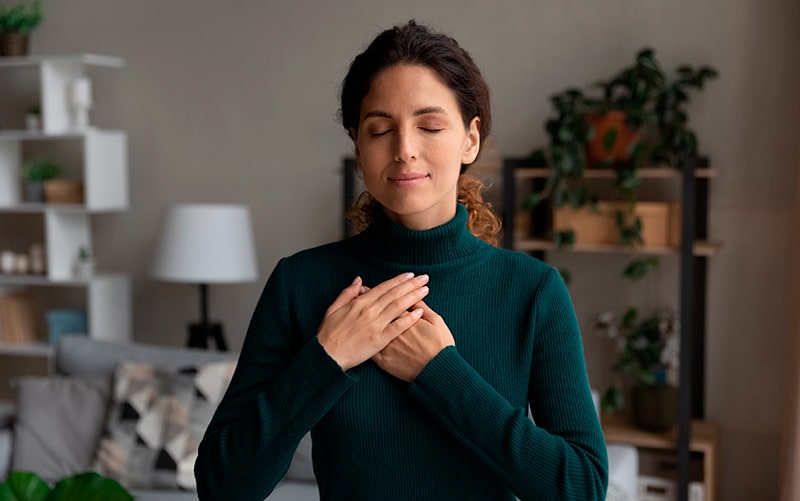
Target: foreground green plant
[{"x": 90, "y": 486}]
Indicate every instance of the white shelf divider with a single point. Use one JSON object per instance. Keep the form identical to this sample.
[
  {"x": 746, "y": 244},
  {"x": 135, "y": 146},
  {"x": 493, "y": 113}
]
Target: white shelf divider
[
  {"x": 109, "y": 308},
  {"x": 10, "y": 160},
  {"x": 105, "y": 170},
  {"x": 65, "y": 234}
]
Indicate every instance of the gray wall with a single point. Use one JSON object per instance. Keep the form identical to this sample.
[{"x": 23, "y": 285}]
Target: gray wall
[{"x": 236, "y": 102}]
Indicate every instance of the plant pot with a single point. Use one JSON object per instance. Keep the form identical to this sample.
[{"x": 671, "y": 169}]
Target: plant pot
[
  {"x": 13, "y": 44},
  {"x": 655, "y": 408},
  {"x": 612, "y": 122},
  {"x": 34, "y": 191},
  {"x": 63, "y": 191}
]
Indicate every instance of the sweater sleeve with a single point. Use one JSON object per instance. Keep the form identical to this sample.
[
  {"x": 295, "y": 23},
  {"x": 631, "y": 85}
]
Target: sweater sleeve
[
  {"x": 280, "y": 389},
  {"x": 561, "y": 453}
]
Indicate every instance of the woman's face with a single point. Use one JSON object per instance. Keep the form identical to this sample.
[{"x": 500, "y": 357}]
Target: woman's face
[{"x": 411, "y": 143}]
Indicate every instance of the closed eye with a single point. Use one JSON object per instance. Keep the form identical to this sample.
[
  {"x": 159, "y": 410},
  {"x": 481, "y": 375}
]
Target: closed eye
[
  {"x": 426, "y": 129},
  {"x": 381, "y": 133}
]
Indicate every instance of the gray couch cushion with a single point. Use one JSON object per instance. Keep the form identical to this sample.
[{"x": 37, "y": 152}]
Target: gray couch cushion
[
  {"x": 83, "y": 356},
  {"x": 58, "y": 424}
]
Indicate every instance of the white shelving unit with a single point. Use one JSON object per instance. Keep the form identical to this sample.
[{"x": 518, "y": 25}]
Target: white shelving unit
[{"x": 67, "y": 227}]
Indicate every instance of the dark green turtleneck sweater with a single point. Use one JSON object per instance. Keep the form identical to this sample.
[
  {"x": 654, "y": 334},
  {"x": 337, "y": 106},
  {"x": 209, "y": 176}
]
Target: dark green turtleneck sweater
[{"x": 460, "y": 431}]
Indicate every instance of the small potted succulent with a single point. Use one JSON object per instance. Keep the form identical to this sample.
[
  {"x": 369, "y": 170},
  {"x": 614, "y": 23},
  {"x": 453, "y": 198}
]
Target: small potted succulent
[
  {"x": 649, "y": 355},
  {"x": 16, "y": 24},
  {"x": 90, "y": 486},
  {"x": 35, "y": 173}
]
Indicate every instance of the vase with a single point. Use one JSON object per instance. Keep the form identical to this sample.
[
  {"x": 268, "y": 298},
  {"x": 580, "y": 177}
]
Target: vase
[
  {"x": 34, "y": 191},
  {"x": 655, "y": 407},
  {"x": 13, "y": 44},
  {"x": 619, "y": 151}
]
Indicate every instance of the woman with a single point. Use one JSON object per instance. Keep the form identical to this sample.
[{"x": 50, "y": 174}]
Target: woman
[{"x": 415, "y": 378}]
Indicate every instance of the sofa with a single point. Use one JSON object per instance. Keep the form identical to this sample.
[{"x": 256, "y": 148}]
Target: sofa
[{"x": 58, "y": 423}]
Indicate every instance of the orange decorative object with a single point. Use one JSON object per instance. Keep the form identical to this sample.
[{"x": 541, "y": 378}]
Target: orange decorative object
[{"x": 596, "y": 153}]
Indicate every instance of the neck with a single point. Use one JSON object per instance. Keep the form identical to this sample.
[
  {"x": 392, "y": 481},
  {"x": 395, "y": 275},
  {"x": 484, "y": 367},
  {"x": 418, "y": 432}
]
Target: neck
[{"x": 397, "y": 243}]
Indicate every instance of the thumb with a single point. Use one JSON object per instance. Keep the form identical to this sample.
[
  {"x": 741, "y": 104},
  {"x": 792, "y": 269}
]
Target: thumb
[{"x": 351, "y": 292}]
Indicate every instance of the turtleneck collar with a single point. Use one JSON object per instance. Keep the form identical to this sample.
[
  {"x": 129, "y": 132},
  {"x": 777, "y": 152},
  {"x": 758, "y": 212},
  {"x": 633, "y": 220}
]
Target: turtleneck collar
[{"x": 396, "y": 243}]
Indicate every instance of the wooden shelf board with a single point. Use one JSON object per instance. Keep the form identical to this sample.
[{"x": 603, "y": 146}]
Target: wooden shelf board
[
  {"x": 701, "y": 248},
  {"x": 704, "y": 435},
  {"x": 643, "y": 173}
]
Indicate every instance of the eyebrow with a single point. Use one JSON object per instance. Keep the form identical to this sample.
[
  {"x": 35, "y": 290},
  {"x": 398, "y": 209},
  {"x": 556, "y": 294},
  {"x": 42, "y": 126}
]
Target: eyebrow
[{"x": 421, "y": 111}]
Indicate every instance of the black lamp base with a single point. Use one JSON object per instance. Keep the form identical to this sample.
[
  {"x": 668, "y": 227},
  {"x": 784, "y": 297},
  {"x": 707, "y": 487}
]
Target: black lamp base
[{"x": 199, "y": 335}]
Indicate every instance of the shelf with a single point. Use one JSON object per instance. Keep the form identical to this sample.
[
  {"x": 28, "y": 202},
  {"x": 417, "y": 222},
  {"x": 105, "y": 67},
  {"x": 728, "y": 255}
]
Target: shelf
[
  {"x": 705, "y": 435},
  {"x": 704, "y": 439},
  {"x": 26, "y": 350},
  {"x": 88, "y": 59},
  {"x": 40, "y": 280},
  {"x": 642, "y": 173},
  {"x": 701, "y": 248},
  {"x": 43, "y": 208},
  {"x": 37, "y": 135}
]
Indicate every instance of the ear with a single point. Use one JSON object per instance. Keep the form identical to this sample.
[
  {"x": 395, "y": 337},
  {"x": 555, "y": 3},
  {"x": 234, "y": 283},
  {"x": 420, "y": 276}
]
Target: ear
[
  {"x": 472, "y": 144},
  {"x": 356, "y": 153}
]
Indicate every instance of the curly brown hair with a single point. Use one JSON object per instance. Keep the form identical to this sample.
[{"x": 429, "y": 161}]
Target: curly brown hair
[{"x": 416, "y": 44}]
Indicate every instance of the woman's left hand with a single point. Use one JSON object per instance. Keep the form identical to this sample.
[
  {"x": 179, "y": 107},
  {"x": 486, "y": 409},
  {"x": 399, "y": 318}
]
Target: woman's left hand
[{"x": 407, "y": 354}]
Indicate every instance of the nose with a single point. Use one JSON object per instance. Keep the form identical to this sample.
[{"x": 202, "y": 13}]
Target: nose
[{"x": 405, "y": 146}]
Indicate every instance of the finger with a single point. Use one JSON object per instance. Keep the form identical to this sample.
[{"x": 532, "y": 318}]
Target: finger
[
  {"x": 403, "y": 323},
  {"x": 348, "y": 294},
  {"x": 398, "y": 297},
  {"x": 427, "y": 312},
  {"x": 388, "y": 285}
]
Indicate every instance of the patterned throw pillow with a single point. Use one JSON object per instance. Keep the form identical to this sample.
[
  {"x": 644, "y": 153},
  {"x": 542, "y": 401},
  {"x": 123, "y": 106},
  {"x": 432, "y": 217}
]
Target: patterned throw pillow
[{"x": 155, "y": 422}]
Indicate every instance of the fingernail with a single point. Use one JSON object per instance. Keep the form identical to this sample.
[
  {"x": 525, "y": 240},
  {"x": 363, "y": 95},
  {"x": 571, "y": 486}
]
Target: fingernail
[
  {"x": 409, "y": 275},
  {"x": 356, "y": 280},
  {"x": 417, "y": 312},
  {"x": 424, "y": 289},
  {"x": 423, "y": 278}
]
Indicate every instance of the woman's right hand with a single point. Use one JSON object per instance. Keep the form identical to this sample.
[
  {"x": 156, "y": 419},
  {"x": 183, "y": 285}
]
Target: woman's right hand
[{"x": 361, "y": 321}]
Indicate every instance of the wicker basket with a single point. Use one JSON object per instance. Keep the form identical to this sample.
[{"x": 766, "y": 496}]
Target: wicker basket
[
  {"x": 13, "y": 44},
  {"x": 63, "y": 191}
]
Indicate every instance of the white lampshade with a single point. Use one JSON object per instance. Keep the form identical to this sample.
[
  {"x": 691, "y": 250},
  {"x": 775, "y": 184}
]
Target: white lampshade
[{"x": 206, "y": 243}]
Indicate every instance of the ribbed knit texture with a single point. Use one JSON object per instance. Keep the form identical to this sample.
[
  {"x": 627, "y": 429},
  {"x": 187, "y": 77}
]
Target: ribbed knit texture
[{"x": 460, "y": 431}]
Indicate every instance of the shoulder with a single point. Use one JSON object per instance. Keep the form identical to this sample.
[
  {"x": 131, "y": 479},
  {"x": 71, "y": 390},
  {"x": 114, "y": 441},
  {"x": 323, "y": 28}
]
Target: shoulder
[
  {"x": 319, "y": 257},
  {"x": 521, "y": 265}
]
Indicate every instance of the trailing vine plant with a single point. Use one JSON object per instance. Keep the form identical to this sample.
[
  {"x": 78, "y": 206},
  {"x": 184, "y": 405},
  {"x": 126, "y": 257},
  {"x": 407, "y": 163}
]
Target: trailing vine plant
[{"x": 654, "y": 108}]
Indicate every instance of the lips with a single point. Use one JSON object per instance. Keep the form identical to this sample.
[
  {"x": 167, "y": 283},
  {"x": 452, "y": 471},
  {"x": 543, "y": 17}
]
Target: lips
[{"x": 408, "y": 180}]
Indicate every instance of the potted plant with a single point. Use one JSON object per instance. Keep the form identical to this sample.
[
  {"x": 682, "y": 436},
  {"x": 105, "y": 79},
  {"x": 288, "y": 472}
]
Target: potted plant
[
  {"x": 638, "y": 116},
  {"x": 648, "y": 355},
  {"x": 33, "y": 118},
  {"x": 34, "y": 173},
  {"x": 16, "y": 24},
  {"x": 90, "y": 486}
]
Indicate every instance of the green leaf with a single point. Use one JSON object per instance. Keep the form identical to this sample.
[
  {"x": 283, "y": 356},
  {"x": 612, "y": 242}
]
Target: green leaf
[
  {"x": 564, "y": 238},
  {"x": 613, "y": 399},
  {"x": 90, "y": 486},
  {"x": 533, "y": 200},
  {"x": 639, "y": 268},
  {"x": 609, "y": 138},
  {"x": 25, "y": 486}
]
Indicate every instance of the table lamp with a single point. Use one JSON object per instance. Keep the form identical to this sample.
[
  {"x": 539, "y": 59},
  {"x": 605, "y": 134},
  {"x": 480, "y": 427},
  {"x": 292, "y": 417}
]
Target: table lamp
[{"x": 206, "y": 244}]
